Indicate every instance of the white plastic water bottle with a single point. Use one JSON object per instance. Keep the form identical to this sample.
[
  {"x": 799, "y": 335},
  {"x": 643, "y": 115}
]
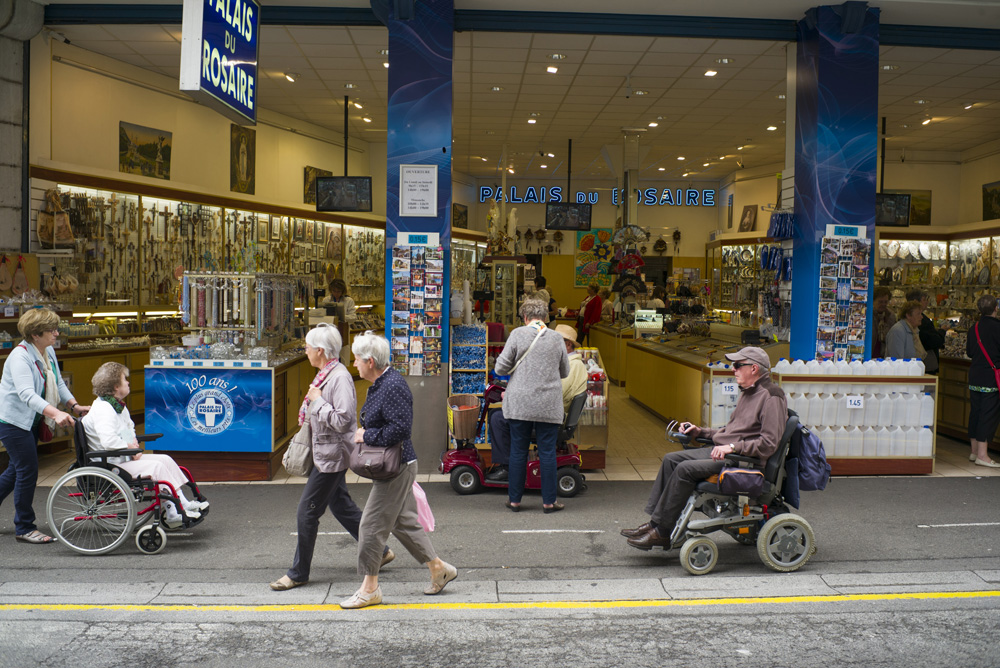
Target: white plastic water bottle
[
  {"x": 926, "y": 409},
  {"x": 843, "y": 412},
  {"x": 882, "y": 442},
  {"x": 813, "y": 368},
  {"x": 834, "y": 437},
  {"x": 798, "y": 367},
  {"x": 854, "y": 441},
  {"x": 897, "y": 442},
  {"x": 857, "y": 370},
  {"x": 910, "y": 442},
  {"x": 783, "y": 366},
  {"x": 829, "y": 418},
  {"x": 884, "y": 410},
  {"x": 843, "y": 368},
  {"x": 912, "y": 403},
  {"x": 918, "y": 367},
  {"x": 870, "y": 416},
  {"x": 925, "y": 442},
  {"x": 868, "y": 444}
]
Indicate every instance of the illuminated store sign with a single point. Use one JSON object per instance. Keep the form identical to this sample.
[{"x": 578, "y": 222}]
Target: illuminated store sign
[
  {"x": 647, "y": 196},
  {"x": 219, "y": 55}
]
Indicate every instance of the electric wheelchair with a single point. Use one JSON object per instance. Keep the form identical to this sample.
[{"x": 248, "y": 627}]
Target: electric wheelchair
[
  {"x": 784, "y": 540},
  {"x": 95, "y": 506}
]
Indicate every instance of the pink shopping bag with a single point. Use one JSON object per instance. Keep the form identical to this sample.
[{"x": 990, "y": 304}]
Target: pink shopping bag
[{"x": 424, "y": 514}]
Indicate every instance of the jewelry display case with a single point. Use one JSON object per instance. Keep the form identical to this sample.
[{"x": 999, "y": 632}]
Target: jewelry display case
[{"x": 749, "y": 281}]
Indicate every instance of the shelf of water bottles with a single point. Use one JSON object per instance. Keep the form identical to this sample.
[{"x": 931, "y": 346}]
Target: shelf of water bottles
[{"x": 878, "y": 409}]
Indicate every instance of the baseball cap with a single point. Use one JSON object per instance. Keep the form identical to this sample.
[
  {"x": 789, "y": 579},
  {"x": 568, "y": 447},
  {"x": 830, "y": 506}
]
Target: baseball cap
[{"x": 753, "y": 355}]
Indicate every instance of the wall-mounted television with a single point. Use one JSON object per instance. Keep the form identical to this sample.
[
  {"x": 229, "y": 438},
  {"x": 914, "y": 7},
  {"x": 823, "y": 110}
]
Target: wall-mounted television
[
  {"x": 892, "y": 210},
  {"x": 343, "y": 193},
  {"x": 567, "y": 216}
]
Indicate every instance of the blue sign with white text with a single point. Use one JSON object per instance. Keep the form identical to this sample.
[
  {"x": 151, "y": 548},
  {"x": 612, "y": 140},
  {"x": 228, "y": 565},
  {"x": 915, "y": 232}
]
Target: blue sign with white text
[{"x": 210, "y": 410}]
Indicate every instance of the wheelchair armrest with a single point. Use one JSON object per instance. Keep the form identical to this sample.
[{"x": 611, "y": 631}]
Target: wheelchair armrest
[
  {"x": 744, "y": 459},
  {"x": 142, "y": 438},
  {"x": 107, "y": 454}
]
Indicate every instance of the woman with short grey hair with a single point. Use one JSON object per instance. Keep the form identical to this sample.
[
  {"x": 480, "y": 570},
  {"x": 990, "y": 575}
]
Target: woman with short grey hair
[
  {"x": 387, "y": 421},
  {"x": 331, "y": 407},
  {"x": 536, "y": 359}
]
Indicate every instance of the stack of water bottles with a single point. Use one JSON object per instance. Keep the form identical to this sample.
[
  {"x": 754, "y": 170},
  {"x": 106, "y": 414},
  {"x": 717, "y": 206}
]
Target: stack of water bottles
[{"x": 855, "y": 417}]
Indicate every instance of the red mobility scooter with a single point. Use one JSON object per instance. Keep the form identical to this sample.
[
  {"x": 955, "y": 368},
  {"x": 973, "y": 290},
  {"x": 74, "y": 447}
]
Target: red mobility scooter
[{"x": 468, "y": 470}]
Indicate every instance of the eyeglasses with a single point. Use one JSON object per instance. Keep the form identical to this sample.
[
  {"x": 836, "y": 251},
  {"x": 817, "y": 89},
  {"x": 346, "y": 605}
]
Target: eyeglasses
[{"x": 740, "y": 365}]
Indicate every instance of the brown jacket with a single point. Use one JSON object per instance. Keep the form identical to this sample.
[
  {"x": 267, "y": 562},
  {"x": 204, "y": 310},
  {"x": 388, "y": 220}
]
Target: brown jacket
[{"x": 757, "y": 423}]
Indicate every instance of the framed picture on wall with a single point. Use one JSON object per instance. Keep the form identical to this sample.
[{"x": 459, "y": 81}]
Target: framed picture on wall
[
  {"x": 276, "y": 228},
  {"x": 309, "y": 231},
  {"x": 748, "y": 221},
  {"x": 300, "y": 229},
  {"x": 263, "y": 233}
]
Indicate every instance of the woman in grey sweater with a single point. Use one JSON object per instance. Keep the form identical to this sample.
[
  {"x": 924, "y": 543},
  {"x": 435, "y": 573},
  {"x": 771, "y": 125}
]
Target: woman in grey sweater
[{"x": 535, "y": 357}]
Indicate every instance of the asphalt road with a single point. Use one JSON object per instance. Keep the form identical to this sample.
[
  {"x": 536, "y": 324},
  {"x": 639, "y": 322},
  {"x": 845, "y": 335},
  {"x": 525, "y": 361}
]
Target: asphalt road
[{"x": 889, "y": 586}]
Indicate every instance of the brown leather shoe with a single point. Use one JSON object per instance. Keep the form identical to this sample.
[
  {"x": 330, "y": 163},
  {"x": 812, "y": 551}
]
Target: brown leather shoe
[
  {"x": 638, "y": 531},
  {"x": 649, "y": 540}
]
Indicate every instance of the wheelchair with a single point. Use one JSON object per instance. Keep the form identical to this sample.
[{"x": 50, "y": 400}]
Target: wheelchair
[
  {"x": 784, "y": 540},
  {"x": 95, "y": 506}
]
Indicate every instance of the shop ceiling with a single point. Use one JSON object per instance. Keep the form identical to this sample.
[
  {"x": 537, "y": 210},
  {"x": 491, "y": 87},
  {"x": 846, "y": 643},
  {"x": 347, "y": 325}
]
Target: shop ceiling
[{"x": 603, "y": 83}]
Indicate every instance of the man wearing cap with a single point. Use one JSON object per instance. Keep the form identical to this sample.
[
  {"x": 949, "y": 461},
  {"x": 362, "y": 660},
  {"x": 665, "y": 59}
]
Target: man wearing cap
[
  {"x": 754, "y": 430},
  {"x": 572, "y": 385}
]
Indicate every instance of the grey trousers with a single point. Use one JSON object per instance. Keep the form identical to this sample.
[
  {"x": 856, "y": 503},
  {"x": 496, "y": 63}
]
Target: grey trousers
[
  {"x": 679, "y": 473},
  {"x": 322, "y": 491},
  {"x": 391, "y": 508}
]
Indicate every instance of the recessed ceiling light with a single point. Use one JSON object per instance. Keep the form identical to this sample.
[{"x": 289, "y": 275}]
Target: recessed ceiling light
[
  {"x": 640, "y": 92},
  {"x": 533, "y": 114},
  {"x": 551, "y": 155},
  {"x": 357, "y": 105},
  {"x": 544, "y": 166},
  {"x": 551, "y": 69},
  {"x": 510, "y": 169},
  {"x": 557, "y": 56},
  {"x": 532, "y": 121},
  {"x": 905, "y": 125},
  {"x": 661, "y": 169},
  {"x": 680, "y": 157},
  {"x": 921, "y": 101},
  {"x": 722, "y": 157},
  {"x": 496, "y": 89},
  {"x": 725, "y": 61},
  {"x": 366, "y": 119},
  {"x": 483, "y": 159},
  {"x": 780, "y": 96},
  {"x": 970, "y": 105},
  {"x": 705, "y": 164},
  {"x": 383, "y": 52},
  {"x": 710, "y": 73},
  {"x": 739, "y": 148},
  {"x": 385, "y": 65},
  {"x": 490, "y": 132},
  {"x": 772, "y": 128},
  {"x": 349, "y": 85},
  {"x": 684, "y": 174},
  {"x": 889, "y": 68},
  {"x": 291, "y": 76},
  {"x": 653, "y": 124},
  {"x": 925, "y": 121}
]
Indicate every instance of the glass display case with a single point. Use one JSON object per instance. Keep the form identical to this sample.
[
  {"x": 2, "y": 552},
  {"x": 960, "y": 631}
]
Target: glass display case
[
  {"x": 465, "y": 257},
  {"x": 748, "y": 281},
  {"x": 505, "y": 289}
]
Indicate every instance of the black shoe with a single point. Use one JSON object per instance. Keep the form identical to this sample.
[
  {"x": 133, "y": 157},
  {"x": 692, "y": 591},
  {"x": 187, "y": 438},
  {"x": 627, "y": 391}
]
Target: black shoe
[{"x": 499, "y": 474}]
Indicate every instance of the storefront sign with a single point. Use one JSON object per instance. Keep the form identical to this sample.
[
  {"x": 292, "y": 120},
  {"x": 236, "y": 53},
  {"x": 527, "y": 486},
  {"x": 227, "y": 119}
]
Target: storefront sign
[
  {"x": 210, "y": 410},
  {"x": 647, "y": 196},
  {"x": 219, "y": 56}
]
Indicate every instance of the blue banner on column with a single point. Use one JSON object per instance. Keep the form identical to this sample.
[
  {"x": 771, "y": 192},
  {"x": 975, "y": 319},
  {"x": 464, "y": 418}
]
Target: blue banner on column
[
  {"x": 419, "y": 127},
  {"x": 206, "y": 410},
  {"x": 836, "y": 141}
]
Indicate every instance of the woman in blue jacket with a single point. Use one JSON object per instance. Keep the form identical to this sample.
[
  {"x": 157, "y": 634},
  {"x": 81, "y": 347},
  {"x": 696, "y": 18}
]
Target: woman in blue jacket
[{"x": 30, "y": 390}]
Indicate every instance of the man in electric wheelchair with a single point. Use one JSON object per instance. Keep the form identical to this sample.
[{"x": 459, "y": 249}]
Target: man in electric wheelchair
[{"x": 755, "y": 430}]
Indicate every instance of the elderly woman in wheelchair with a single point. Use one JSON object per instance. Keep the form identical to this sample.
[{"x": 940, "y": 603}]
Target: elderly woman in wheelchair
[{"x": 114, "y": 484}]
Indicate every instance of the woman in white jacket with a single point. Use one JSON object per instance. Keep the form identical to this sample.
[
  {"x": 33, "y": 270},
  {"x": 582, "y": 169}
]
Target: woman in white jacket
[{"x": 109, "y": 427}]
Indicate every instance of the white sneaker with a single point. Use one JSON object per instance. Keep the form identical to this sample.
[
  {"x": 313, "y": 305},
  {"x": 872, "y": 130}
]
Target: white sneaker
[
  {"x": 195, "y": 506},
  {"x": 172, "y": 520},
  {"x": 192, "y": 514}
]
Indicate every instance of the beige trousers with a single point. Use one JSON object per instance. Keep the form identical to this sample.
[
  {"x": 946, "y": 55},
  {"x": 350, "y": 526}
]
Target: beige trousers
[{"x": 391, "y": 508}]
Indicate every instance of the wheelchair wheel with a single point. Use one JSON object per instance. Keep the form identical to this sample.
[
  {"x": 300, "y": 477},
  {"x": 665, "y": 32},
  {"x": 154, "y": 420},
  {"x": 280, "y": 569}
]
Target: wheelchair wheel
[
  {"x": 699, "y": 555},
  {"x": 569, "y": 482},
  {"x": 91, "y": 510},
  {"x": 465, "y": 480},
  {"x": 786, "y": 542},
  {"x": 151, "y": 539}
]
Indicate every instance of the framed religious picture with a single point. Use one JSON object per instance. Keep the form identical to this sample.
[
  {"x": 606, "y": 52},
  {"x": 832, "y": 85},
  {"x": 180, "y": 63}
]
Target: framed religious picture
[
  {"x": 300, "y": 230},
  {"x": 276, "y": 228},
  {"x": 242, "y": 159},
  {"x": 263, "y": 233},
  {"x": 748, "y": 221},
  {"x": 309, "y": 231}
]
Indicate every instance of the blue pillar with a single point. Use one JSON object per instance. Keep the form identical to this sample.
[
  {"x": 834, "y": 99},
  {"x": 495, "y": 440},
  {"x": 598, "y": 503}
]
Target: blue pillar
[
  {"x": 836, "y": 141},
  {"x": 419, "y": 127}
]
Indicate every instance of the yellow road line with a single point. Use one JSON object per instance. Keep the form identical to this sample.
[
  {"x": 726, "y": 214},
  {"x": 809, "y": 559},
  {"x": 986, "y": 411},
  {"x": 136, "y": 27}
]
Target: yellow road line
[{"x": 514, "y": 605}]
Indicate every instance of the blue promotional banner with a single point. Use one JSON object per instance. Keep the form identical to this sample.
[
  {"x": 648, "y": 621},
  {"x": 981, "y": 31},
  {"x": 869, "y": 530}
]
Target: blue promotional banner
[
  {"x": 210, "y": 410},
  {"x": 836, "y": 142},
  {"x": 219, "y": 55}
]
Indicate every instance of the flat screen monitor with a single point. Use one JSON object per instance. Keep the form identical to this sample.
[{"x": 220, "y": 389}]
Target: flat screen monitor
[
  {"x": 892, "y": 209},
  {"x": 343, "y": 193},
  {"x": 567, "y": 216}
]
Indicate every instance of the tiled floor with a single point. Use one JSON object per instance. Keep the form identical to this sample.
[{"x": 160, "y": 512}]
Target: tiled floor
[{"x": 636, "y": 445}]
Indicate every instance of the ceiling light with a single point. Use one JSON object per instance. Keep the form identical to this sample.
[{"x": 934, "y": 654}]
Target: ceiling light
[
  {"x": 653, "y": 124},
  {"x": 510, "y": 169},
  {"x": 490, "y": 132},
  {"x": 772, "y": 128},
  {"x": 739, "y": 148},
  {"x": 533, "y": 114},
  {"x": 349, "y": 85},
  {"x": 970, "y": 105},
  {"x": 680, "y": 157},
  {"x": 551, "y": 155},
  {"x": 557, "y": 56},
  {"x": 383, "y": 52},
  {"x": 357, "y": 105},
  {"x": 385, "y": 65},
  {"x": 722, "y": 157},
  {"x": 551, "y": 69},
  {"x": 921, "y": 101},
  {"x": 925, "y": 121},
  {"x": 889, "y": 68},
  {"x": 544, "y": 166},
  {"x": 640, "y": 92},
  {"x": 291, "y": 76},
  {"x": 483, "y": 159},
  {"x": 661, "y": 169},
  {"x": 905, "y": 125},
  {"x": 684, "y": 174},
  {"x": 724, "y": 61},
  {"x": 366, "y": 119},
  {"x": 710, "y": 73},
  {"x": 705, "y": 164},
  {"x": 532, "y": 121},
  {"x": 496, "y": 89},
  {"x": 780, "y": 96}
]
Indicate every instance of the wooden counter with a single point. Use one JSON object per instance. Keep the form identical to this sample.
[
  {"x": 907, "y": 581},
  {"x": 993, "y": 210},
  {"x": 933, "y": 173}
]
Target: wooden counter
[
  {"x": 613, "y": 344},
  {"x": 668, "y": 387}
]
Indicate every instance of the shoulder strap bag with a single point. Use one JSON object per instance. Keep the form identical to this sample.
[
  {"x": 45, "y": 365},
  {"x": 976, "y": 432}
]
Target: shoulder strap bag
[
  {"x": 533, "y": 342},
  {"x": 996, "y": 372},
  {"x": 298, "y": 457}
]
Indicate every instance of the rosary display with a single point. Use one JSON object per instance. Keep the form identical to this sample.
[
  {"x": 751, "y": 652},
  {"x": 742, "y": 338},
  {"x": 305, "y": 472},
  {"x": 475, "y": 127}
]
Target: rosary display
[
  {"x": 417, "y": 297},
  {"x": 364, "y": 262},
  {"x": 843, "y": 298}
]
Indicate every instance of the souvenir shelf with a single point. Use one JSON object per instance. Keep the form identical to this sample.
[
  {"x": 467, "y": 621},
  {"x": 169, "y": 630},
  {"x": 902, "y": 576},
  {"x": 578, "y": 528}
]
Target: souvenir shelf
[
  {"x": 741, "y": 272},
  {"x": 364, "y": 263},
  {"x": 469, "y": 368},
  {"x": 465, "y": 257}
]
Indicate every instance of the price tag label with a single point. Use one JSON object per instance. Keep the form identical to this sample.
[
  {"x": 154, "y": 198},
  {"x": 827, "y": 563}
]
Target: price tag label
[
  {"x": 10, "y": 311},
  {"x": 855, "y": 401},
  {"x": 729, "y": 388}
]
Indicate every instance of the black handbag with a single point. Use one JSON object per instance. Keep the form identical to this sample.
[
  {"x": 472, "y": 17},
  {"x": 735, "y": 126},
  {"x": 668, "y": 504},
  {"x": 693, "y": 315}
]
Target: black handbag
[{"x": 376, "y": 463}]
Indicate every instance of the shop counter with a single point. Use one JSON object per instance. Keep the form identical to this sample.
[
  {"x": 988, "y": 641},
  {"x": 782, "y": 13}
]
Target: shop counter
[
  {"x": 612, "y": 341},
  {"x": 225, "y": 420},
  {"x": 664, "y": 380},
  {"x": 953, "y": 400}
]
